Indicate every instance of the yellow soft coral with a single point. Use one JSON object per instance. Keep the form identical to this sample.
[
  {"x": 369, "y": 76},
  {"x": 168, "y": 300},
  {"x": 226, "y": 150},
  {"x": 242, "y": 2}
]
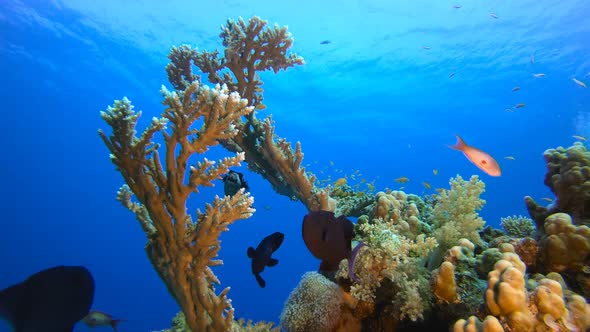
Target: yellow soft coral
[{"x": 455, "y": 213}]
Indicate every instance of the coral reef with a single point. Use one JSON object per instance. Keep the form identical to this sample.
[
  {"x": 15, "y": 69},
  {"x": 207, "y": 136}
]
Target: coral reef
[
  {"x": 182, "y": 249},
  {"x": 518, "y": 226},
  {"x": 316, "y": 304},
  {"x": 252, "y": 47},
  {"x": 428, "y": 263},
  {"x": 568, "y": 177}
]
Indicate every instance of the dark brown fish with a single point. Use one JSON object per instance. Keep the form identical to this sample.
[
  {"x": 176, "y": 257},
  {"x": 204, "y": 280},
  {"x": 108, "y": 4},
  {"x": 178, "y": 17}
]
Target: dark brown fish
[
  {"x": 233, "y": 182},
  {"x": 50, "y": 300},
  {"x": 261, "y": 256}
]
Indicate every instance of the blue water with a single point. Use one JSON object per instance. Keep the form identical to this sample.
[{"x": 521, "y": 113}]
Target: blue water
[{"x": 377, "y": 100}]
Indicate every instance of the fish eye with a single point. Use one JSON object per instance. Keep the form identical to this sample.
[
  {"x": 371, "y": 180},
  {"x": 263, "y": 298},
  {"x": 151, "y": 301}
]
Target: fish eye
[{"x": 483, "y": 162}]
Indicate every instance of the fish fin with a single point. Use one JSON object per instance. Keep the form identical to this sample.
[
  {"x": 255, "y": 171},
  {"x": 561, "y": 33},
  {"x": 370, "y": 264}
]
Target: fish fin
[
  {"x": 460, "y": 145},
  {"x": 351, "y": 261},
  {"x": 261, "y": 281},
  {"x": 115, "y": 323},
  {"x": 272, "y": 262},
  {"x": 10, "y": 298},
  {"x": 251, "y": 252}
]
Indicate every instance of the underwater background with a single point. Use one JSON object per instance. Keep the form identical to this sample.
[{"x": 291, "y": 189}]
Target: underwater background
[{"x": 385, "y": 87}]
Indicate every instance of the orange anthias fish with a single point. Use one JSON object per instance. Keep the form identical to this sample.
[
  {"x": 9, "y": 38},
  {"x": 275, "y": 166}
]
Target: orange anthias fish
[{"x": 479, "y": 158}]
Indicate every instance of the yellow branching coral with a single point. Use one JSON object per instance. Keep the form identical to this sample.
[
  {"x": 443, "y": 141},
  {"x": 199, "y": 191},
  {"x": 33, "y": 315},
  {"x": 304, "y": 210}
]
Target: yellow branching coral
[
  {"x": 181, "y": 249},
  {"x": 455, "y": 214},
  {"x": 252, "y": 47}
]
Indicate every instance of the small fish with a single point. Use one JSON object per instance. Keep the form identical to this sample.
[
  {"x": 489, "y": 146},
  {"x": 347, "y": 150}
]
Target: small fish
[
  {"x": 268, "y": 207},
  {"x": 493, "y": 15},
  {"x": 579, "y": 137},
  {"x": 509, "y": 110},
  {"x": 520, "y": 105},
  {"x": 580, "y": 83},
  {"x": 97, "y": 318},
  {"x": 456, "y": 6},
  {"x": 451, "y": 75},
  {"x": 547, "y": 199},
  {"x": 260, "y": 107},
  {"x": 325, "y": 42},
  {"x": 233, "y": 182},
  {"x": 516, "y": 88},
  {"x": 533, "y": 57},
  {"x": 435, "y": 171},
  {"x": 510, "y": 158},
  {"x": 261, "y": 256},
  {"x": 402, "y": 179},
  {"x": 539, "y": 75},
  {"x": 425, "y": 47},
  {"x": 479, "y": 158},
  {"x": 340, "y": 182},
  {"x": 426, "y": 185}
]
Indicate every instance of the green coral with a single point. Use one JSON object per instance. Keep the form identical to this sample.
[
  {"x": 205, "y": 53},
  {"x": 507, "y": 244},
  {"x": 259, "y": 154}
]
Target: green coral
[
  {"x": 455, "y": 216},
  {"x": 518, "y": 226}
]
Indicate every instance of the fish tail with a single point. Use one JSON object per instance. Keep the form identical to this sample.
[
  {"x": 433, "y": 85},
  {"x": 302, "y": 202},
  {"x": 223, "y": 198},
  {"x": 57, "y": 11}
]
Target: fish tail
[
  {"x": 115, "y": 323},
  {"x": 261, "y": 281},
  {"x": 460, "y": 145}
]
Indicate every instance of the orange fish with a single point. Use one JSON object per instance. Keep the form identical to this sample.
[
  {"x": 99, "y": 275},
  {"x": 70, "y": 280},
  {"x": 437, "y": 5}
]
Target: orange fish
[{"x": 479, "y": 158}]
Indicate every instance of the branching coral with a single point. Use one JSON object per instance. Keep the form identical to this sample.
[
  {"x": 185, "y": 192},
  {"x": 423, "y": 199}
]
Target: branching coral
[
  {"x": 181, "y": 249},
  {"x": 518, "y": 226},
  {"x": 252, "y": 47}
]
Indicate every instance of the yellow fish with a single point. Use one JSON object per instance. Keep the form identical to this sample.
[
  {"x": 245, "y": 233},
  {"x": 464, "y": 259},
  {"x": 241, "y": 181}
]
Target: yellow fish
[
  {"x": 547, "y": 199},
  {"x": 580, "y": 83},
  {"x": 509, "y": 158},
  {"x": 479, "y": 158},
  {"x": 340, "y": 182},
  {"x": 435, "y": 171},
  {"x": 426, "y": 185},
  {"x": 402, "y": 179},
  {"x": 579, "y": 137}
]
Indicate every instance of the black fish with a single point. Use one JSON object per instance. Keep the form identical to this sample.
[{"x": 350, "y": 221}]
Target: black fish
[
  {"x": 261, "y": 256},
  {"x": 233, "y": 182},
  {"x": 51, "y": 300}
]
